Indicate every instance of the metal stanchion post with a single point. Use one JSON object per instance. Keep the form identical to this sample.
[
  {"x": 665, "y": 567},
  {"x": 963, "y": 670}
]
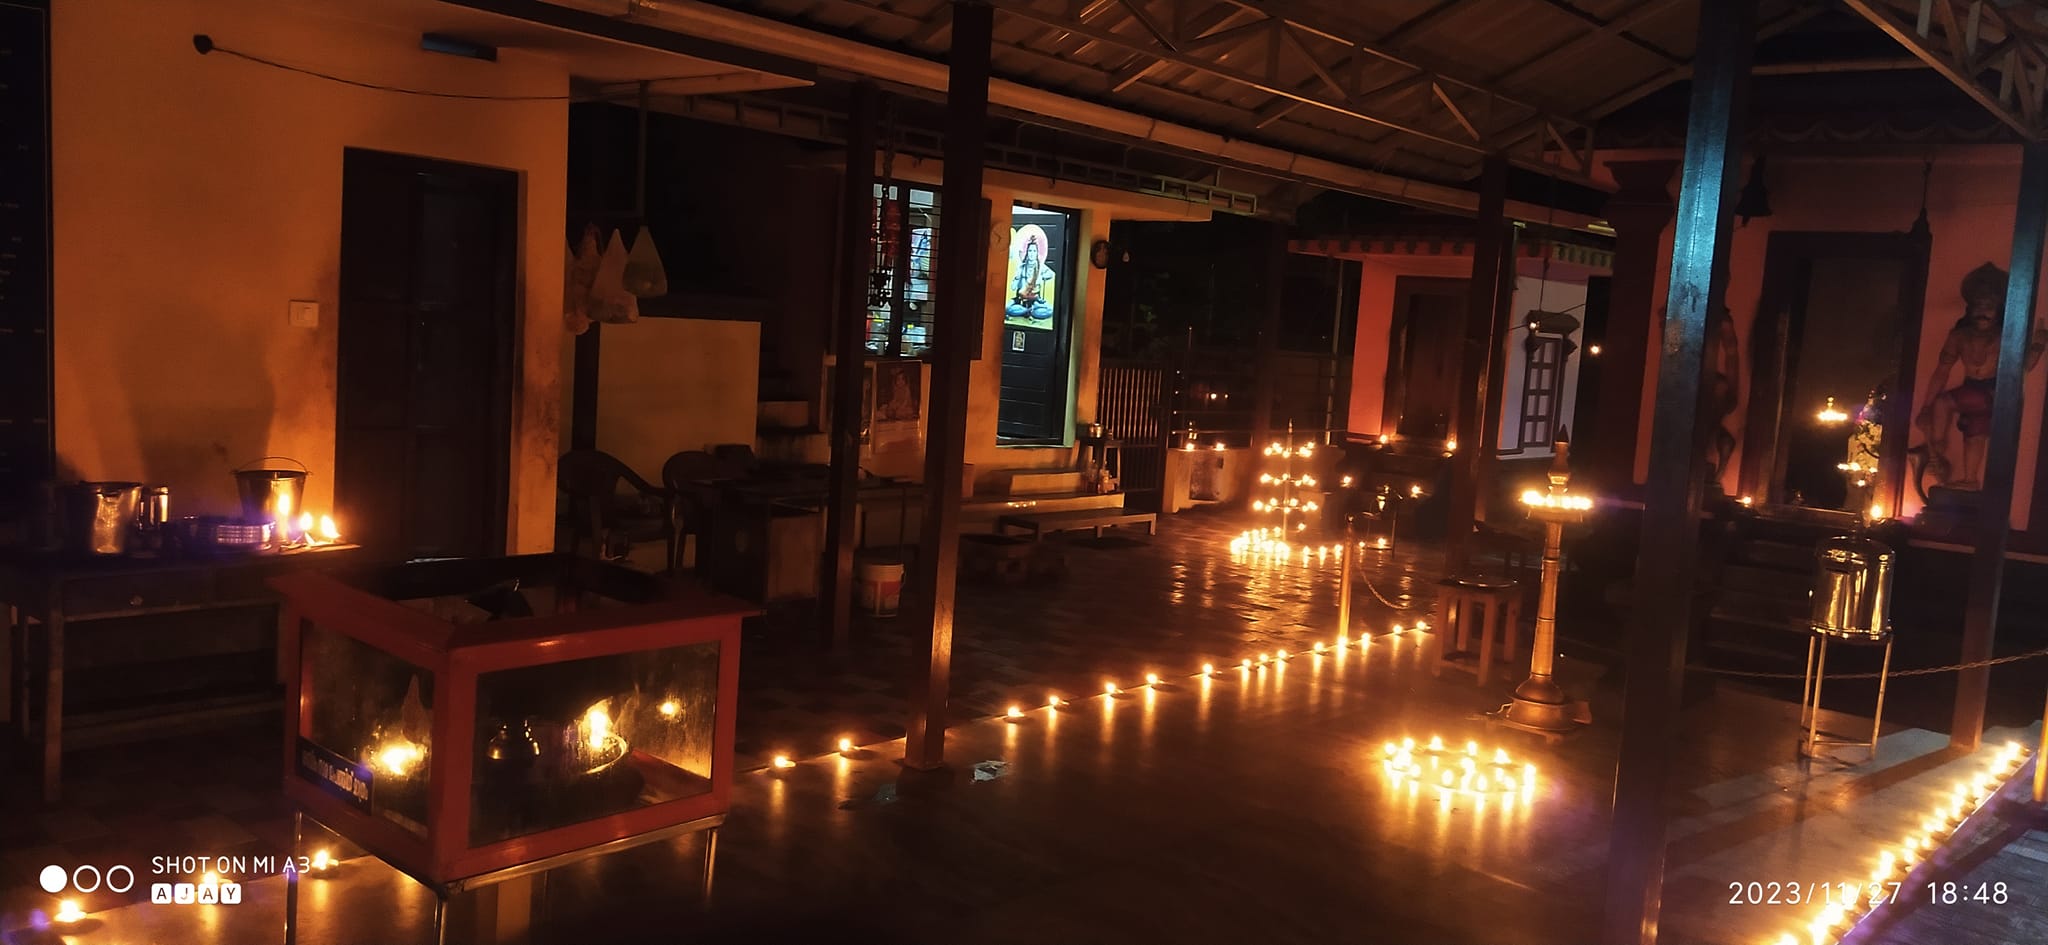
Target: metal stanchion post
[
  {"x": 1345, "y": 562},
  {"x": 2041, "y": 761}
]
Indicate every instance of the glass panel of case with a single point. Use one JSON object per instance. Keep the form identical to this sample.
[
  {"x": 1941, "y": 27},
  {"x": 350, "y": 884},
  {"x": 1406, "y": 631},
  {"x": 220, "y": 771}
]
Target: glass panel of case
[
  {"x": 370, "y": 722},
  {"x": 569, "y": 742}
]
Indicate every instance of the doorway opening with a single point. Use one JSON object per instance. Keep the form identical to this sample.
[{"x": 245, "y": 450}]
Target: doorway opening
[
  {"x": 1837, "y": 331},
  {"x": 425, "y": 354}
]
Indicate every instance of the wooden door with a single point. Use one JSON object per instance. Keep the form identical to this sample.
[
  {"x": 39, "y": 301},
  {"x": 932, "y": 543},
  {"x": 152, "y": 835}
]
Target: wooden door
[
  {"x": 1429, "y": 332},
  {"x": 425, "y": 360}
]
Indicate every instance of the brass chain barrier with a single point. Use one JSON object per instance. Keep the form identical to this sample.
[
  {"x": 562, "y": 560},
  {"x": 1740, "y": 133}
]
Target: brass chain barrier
[
  {"x": 1920, "y": 671},
  {"x": 1753, "y": 674},
  {"x": 1367, "y": 581}
]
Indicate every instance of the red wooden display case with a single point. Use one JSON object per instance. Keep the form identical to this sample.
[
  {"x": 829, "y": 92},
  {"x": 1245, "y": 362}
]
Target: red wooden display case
[{"x": 452, "y": 748}]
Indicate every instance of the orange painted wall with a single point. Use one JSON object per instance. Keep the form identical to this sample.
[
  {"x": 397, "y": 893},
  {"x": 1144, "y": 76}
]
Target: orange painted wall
[
  {"x": 196, "y": 195},
  {"x": 1370, "y": 351},
  {"x": 1971, "y": 198}
]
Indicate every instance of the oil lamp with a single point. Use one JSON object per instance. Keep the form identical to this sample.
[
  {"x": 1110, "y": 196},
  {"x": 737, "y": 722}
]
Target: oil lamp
[{"x": 1540, "y": 704}]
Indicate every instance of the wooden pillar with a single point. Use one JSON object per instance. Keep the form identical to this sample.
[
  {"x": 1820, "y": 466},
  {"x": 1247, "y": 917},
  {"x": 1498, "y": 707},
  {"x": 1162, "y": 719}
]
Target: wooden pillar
[
  {"x": 856, "y": 258},
  {"x": 1639, "y": 211},
  {"x": 583, "y": 391},
  {"x": 1502, "y": 319},
  {"x": 1987, "y": 568},
  {"x": 1663, "y": 609},
  {"x": 1266, "y": 381},
  {"x": 962, "y": 288},
  {"x": 1491, "y": 231}
]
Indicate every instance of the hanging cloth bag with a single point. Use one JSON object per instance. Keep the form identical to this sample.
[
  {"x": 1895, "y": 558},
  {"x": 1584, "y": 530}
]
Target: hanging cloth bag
[{"x": 645, "y": 277}]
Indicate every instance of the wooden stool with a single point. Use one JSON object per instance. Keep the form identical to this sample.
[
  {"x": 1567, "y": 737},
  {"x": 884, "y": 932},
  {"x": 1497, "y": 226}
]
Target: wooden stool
[{"x": 1492, "y": 604}]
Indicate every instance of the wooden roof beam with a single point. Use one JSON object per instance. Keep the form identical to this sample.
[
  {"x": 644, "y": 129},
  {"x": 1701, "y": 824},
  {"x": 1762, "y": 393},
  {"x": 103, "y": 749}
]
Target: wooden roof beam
[{"x": 1944, "y": 55}]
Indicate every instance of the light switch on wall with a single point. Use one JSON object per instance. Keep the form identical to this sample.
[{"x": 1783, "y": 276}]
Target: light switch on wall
[{"x": 305, "y": 314}]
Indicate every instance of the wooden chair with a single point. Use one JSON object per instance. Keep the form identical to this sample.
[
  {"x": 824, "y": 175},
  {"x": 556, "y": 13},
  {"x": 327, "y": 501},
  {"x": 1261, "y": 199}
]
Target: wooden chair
[{"x": 590, "y": 481}]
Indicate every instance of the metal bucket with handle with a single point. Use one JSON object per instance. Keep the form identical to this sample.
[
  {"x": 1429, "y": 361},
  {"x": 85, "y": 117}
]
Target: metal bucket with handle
[{"x": 270, "y": 494}]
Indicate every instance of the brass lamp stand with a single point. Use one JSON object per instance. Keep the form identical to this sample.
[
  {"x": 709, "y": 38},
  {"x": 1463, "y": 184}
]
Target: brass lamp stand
[{"x": 1540, "y": 704}]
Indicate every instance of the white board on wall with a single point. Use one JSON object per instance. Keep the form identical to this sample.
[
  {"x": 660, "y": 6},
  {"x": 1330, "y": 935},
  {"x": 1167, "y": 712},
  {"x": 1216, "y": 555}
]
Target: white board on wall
[{"x": 671, "y": 384}]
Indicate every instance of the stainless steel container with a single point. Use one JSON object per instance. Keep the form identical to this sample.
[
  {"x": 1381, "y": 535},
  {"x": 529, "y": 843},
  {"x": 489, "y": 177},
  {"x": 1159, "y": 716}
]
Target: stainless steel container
[
  {"x": 97, "y": 518},
  {"x": 270, "y": 494},
  {"x": 1852, "y": 589}
]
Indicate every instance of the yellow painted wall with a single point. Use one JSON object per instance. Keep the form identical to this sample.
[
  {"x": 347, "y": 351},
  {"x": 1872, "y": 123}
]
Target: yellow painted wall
[
  {"x": 196, "y": 195},
  {"x": 1097, "y": 206},
  {"x": 672, "y": 384},
  {"x": 985, "y": 391}
]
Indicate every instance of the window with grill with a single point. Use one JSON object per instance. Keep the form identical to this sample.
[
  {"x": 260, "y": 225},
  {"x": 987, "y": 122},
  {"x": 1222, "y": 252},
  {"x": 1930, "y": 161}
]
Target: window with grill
[
  {"x": 1542, "y": 384},
  {"x": 900, "y": 299}
]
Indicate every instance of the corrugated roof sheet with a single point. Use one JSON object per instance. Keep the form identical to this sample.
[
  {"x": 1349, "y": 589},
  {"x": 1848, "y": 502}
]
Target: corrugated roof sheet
[{"x": 1436, "y": 67}]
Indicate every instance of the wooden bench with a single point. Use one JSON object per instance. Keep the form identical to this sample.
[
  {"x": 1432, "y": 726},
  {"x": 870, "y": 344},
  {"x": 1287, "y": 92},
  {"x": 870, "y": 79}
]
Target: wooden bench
[{"x": 1041, "y": 523}]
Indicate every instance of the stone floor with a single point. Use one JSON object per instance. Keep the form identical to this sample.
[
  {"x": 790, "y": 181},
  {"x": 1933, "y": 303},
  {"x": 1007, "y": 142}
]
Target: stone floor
[{"x": 1251, "y": 806}]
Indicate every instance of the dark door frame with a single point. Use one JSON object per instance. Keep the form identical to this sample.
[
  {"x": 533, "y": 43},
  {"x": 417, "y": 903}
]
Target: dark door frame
[
  {"x": 1406, "y": 288},
  {"x": 1788, "y": 265},
  {"x": 505, "y": 334}
]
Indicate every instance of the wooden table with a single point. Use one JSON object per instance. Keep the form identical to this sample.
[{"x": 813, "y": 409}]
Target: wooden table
[{"x": 55, "y": 591}]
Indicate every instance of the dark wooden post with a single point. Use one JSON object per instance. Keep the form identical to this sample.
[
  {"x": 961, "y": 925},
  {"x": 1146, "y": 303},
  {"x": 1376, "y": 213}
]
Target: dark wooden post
[
  {"x": 856, "y": 259},
  {"x": 1491, "y": 232},
  {"x": 1994, "y": 509},
  {"x": 583, "y": 390},
  {"x": 1663, "y": 609},
  {"x": 1267, "y": 381},
  {"x": 1502, "y": 319},
  {"x": 1638, "y": 212},
  {"x": 963, "y": 281}
]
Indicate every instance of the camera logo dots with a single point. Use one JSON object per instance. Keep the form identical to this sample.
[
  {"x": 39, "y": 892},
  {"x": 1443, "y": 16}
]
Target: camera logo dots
[{"x": 86, "y": 879}]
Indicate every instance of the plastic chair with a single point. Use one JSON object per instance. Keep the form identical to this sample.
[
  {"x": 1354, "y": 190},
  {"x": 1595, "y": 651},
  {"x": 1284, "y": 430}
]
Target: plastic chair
[
  {"x": 590, "y": 479},
  {"x": 687, "y": 476}
]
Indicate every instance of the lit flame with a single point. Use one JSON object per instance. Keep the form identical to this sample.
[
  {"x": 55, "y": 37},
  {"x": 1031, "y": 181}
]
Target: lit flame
[
  {"x": 68, "y": 911},
  {"x": 670, "y": 708},
  {"x": 782, "y": 761},
  {"x": 597, "y": 726},
  {"x": 321, "y": 860},
  {"x": 399, "y": 757},
  {"x": 1015, "y": 712},
  {"x": 1831, "y": 414},
  {"x": 1573, "y": 503}
]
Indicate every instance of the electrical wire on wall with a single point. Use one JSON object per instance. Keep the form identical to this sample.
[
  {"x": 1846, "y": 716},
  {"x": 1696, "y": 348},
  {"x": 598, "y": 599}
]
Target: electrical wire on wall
[{"x": 204, "y": 44}]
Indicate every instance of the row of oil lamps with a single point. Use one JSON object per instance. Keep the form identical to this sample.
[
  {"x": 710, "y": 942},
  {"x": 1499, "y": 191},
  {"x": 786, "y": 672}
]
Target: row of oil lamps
[
  {"x": 1838, "y": 918},
  {"x": 1403, "y": 761}
]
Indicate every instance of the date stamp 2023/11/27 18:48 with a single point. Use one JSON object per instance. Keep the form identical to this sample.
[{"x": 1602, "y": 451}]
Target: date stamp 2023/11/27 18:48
[{"x": 1851, "y": 893}]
